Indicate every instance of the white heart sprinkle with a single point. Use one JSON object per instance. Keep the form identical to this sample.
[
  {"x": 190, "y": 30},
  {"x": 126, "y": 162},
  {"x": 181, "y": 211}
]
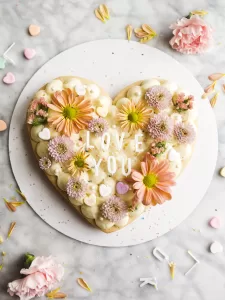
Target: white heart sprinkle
[
  {"x": 45, "y": 134},
  {"x": 80, "y": 90},
  {"x": 90, "y": 200},
  {"x": 173, "y": 155},
  {"x": 102, "y": 111},
  {"x": 216, "y": 247},
  {"x": 104, "y": 190}
]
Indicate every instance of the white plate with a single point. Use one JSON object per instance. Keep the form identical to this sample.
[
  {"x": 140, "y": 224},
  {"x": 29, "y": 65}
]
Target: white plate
[{"x": 114, "y": 64}]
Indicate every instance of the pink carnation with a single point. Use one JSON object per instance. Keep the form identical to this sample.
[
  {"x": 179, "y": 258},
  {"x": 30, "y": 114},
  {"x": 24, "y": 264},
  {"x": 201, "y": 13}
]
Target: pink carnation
[
  {"x": 191, "y": 36},
  {"x": 43, "y": 274}
]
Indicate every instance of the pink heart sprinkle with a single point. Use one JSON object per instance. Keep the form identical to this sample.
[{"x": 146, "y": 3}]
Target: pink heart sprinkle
[
  {"x": 215, "y": 223},
  {"x": 29, "y": 53},
  {"x": 122, "y": 188},
  {"x": 9, "y": 78}
]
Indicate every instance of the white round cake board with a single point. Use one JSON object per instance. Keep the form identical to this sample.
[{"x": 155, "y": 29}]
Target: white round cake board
[{"x": 114, "y": 64}]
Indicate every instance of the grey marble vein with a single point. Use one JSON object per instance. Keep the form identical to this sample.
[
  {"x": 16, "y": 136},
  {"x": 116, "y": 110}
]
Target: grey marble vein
[{"x": 112, "y": 273}]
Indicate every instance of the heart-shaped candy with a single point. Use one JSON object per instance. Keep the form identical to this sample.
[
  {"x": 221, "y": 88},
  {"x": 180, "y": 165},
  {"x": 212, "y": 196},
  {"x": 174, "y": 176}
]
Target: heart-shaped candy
[
  {"x": 45, "y": 134},
  {"x": 102, "y": 111},
  {"x": 90, "y": 200},
  {"x": 80, "y": 90},
  {"x": 29, "y": 53},
  {"x": 34, "y": 30},
  {"x": 122, "y": 188},
  {"x": 173, "y": 155},
  {"x": 104, "y": 190},
  {"x": 216, "y": 247},
  {"x": 9, "y": 78},
  {"x": 215, "y": 222},
  {"x": 3, "y": 125}
]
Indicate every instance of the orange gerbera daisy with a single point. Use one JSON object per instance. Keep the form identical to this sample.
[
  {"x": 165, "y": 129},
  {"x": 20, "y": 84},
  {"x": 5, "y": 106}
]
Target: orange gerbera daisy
[
  {"x": 153, "y": 183},
  {"x": 69, "y": 113}
]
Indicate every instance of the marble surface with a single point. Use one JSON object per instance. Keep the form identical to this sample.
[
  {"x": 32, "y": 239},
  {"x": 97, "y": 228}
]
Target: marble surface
[{"x": 112, "y": 273}]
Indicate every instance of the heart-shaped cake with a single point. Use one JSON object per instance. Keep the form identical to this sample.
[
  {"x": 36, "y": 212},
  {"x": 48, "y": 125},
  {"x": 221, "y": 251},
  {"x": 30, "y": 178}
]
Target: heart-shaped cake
[{"x": 112, "y": 159}]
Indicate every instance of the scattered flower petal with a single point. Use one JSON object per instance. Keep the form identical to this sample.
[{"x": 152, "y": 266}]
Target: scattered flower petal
[
  {"x": 9, "y": 205},
  {"x": 11, "y": 228},
  {"x": 99, "y": 15},
  {"x": 205, "y": 95},
  {"x": 172, "y": 267},
  {"x": 55, "y": 294},
  {"x": 148, "y": 29},
  {"x": 21, "y": 194},
  {"x": 216, "y": 76},
  {"x": 129, "y": 30},
  {"x": 104, "y": 11},
  {"x": 1, "y": 240},
  {"x": 83, "y": 284},
  {"x": 214, "y": 99},
  {"x": 199, "y": 12},
  {"x": 210, "y": 88}
]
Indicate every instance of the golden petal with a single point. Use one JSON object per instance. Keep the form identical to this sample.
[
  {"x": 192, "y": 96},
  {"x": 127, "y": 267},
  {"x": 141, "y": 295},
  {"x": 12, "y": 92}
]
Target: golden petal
[
  {"x": 140, "y": 33},
  {"x": 104, "y": 11},
  {"x": 83, "y": 284},
  {"x": 146, "y": 39},
  {"x": 9, "y": 205},
  {"x": 99, "y": 15},
  {"x": 214, "y": 99},
  {"x": 21, "y": 194},
  {"x": 199, "y": 12},
  {"x": 11, "y": 228},
  {"x": 172, "y": 269},
  {"x": 148, "y": 29},
  {"x": 129, "y": 30}
]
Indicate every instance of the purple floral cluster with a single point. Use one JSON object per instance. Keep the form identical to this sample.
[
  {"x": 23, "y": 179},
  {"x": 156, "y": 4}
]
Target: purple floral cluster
[
  {"x": 61, "y": 148},
  {"x": 114, "y": 209}
]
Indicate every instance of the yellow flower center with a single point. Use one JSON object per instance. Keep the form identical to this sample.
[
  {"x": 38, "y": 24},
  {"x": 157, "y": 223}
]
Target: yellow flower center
[
  {"x": 133, "y": 117},
  {"x": 61, "y": 148},
  {"x": 79, "y": 162},
  {"x": 150, "y": 180},
  {"x": 70, "y": 112}
]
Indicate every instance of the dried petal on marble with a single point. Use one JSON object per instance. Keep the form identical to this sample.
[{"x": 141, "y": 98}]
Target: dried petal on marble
[
  {"x": 104, "y": 11},
  {"x": 9, "y": 205},
  {"x": 17, "y": 203},
  {"x": 148, "y": 29},
  {"x": 129, "y": 30},
  {"x": 199, "y": 12},
  {"x": 140, "y": 33},
  {"x": 146, "y": 39},
  {"x": 11, "y": 228},
  {"x": 172, "y": 267},
  {"x": 83, "y": 284},
  {"x": 223, "y": 87},
  {"x": 205, "y": 95},
  {"x": 1, "y": 240},
  {"x": 210, "y": 88},
  {"x": 214, "y": 99},
  {"x": 21, "y": 194},
  {"x": 99, "y": 15},
  {"x": 52, "y": 293},
  {"x": 216, "y": 76},
  {"x": 1, "y": 266},
  {"x": 3, "y": 253}
]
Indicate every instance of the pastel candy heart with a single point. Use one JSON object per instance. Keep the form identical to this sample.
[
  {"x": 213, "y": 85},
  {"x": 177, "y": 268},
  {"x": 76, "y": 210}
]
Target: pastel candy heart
[
  {"x": 90, "y": 200},
  {"x": 215, "y": 222},
  {"x": 2, "y": 62},
  {"x": 9, "y": 78},
  {"x": 102, "y": 111},
  {"x": 80, "y": 90},
  {"x": 29, "y": 53},
  {"x": 104, "y": 190},
  {"x": 173, "y": 155},
  {"x": 34, "y": 30},
  {"x": 3, "y": 125},
  {"x": 216, "y": 247},
  {"x": 122, "y": 188},
  {"x": 45, "y": 134}
]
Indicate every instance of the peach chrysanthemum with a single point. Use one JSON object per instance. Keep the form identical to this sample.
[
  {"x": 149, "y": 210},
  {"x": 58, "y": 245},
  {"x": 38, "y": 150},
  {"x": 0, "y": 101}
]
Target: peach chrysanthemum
[
  {"x": 153, "y": 183},
  {"x": 133, "y": 117},
  {"x": 69, "y": 113}
]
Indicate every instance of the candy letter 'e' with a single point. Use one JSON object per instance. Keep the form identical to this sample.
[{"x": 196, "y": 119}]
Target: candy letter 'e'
[{"x": 137, "y": 143}]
